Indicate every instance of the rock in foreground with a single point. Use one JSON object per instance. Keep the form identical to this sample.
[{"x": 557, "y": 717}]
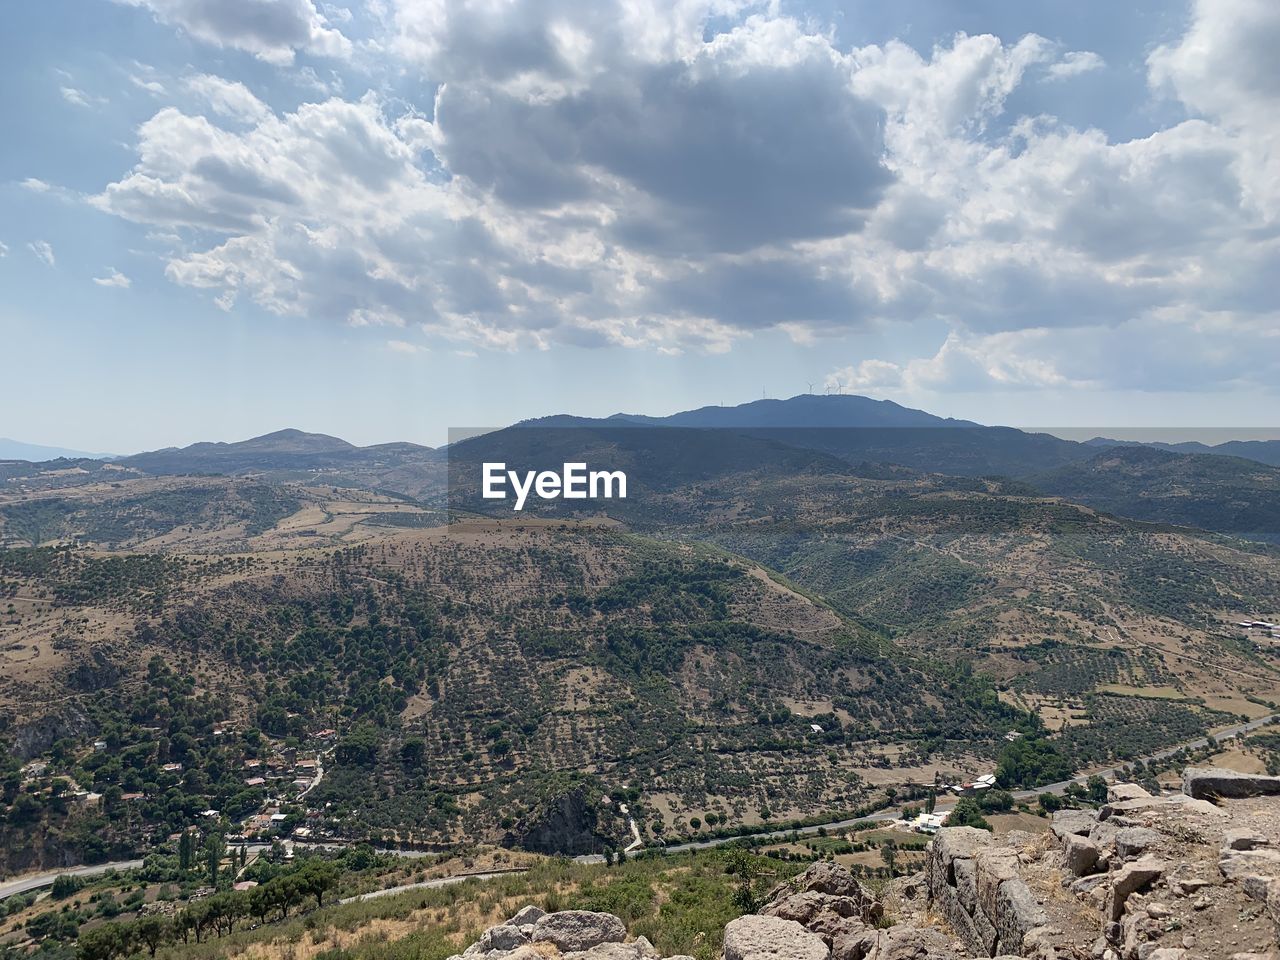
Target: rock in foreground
[{"x": 532, "y": 934}]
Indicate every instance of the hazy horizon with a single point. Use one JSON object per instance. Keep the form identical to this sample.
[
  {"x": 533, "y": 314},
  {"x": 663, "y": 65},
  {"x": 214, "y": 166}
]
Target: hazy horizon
[{"x": 1209, "y": 436}]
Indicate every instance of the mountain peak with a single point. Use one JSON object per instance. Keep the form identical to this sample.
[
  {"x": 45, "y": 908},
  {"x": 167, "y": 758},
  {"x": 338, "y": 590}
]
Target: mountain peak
[
  {"x": 803, "y": 410},
  {"x": 291, "y": 440}
]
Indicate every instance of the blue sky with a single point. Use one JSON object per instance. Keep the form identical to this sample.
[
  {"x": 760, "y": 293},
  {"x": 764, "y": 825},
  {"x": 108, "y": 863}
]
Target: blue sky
[{"x": 384, "y": 218}]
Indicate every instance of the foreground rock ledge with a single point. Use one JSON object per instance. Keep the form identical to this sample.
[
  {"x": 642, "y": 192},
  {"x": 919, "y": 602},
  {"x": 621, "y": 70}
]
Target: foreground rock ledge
[
  {"x": 1142, "y": 877},
  {"x": 1214, "y": 783}
]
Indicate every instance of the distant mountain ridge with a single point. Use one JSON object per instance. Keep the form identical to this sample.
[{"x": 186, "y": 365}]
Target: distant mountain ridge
[
  {"x": 858, "y": 430},
  {"x": 281, "y": 441},
  {"x": 805, "y": 411},
  {"x": 38, "y": 452},
  {"x": 1263, "y": 451},
  {"x": 1189, "y": 485},
  {"x": 287, "y": 449}
]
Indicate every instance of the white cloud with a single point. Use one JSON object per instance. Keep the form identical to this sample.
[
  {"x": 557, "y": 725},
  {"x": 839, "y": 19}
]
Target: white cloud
[
  {"x": 271, "y": 30},
  {"x": 36, "y": 185},
  {"x": 364, "y": 317},
  {"x": 680, "y": 175},
  {"x": 153, "y": 87},
  {"x": 4, "y": 249},
  {"x": 72, "y": 95},
  {"x": 43, "y": 252},
  {"x": 1074, "y": 63},
  {"x": 403, "y": 346},
  {"x": 1224, "y": 69},
  {"x": 964, "y": 362},
  {"x": 227, "y": 98},
  {"x": 114, "y": 278}
]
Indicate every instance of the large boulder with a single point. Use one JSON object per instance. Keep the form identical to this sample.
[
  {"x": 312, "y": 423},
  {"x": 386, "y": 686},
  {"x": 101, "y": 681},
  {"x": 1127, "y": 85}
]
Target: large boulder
[
  {"x": 1017, "y": 914},
  {"x": 1129, "y": 879},
  {"x": 899, "y": 942},
  {"x": 505, "y": 936},
  {"x": 756, "y": 937},
  {"x": 1132, "y": 842},
  {"x": 828, "y": 877},
  {"x": 1073, "y": 822},
  {"x": 825, "y": 888},
  {"x": 1238, "y": 864},
  {"x": 1243, "y": 838},
  {"x": 1081, "y": 854},
  {"x": 639, "y": 949},
  {"x": 578, "y": 929},
  {"x": 528, "y": 914},
  {"x": 1126, "y": 791},
  {"x": 1214, "y": 783},
  {"x": 818, "y": 912}
]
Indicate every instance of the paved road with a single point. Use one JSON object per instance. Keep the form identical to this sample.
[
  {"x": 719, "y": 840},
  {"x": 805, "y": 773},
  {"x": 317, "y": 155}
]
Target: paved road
[
  {"x": 428, "y": 885},
  {"x": 35, "y": 881}
]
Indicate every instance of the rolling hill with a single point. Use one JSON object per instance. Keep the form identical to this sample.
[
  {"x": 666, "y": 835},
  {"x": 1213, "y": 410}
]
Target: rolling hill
[{"x": 1213, "y": 492}]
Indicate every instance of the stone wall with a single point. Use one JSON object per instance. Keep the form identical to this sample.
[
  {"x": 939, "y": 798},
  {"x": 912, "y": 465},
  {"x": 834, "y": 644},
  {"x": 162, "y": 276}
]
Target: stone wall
[{"x": 973, "y": 882}]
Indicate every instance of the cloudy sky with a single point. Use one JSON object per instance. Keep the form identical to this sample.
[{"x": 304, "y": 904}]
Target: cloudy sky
[{"x": 384, "y": 218}]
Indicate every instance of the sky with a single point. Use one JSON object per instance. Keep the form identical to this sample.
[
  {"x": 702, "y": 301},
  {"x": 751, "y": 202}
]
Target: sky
[{"x": 382, "y": 219}]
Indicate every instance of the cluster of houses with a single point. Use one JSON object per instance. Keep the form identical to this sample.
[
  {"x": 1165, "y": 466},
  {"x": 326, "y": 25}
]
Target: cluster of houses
[
  {"x": 973, "y": 787},
  {"x": 277, "y": 769}
]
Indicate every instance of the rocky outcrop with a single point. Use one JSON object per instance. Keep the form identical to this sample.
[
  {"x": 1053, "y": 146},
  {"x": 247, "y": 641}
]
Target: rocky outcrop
[
  {"x": 840, "y": 916},
  {"x": 825, "y": 899},
  {"x": 30, "y": 738},
  {"x": 1165, "y": 877},
  {"x": 531, "y": 934},
  {"x": 1140, "y": 878},
  {"x": 1215, "y": 784},
  {"x": 567, "y": 823}
]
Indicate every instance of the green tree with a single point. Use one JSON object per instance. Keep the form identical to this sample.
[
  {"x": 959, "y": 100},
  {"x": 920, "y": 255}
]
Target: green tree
[
  {"x": 1049, "y": 802},
  {"x": 748, "y": 871},
  {"x": 967, "y": 813},
  {"x": 64, "y": 885},
  {"x": 889, "y": 854},
  {"x": 412, "y": 751},
  {"x": 106, "y": 942},
  {"x": 316, "y": 879},
  {"x": 1097, "y": 788},
  {"x": 186, "y": 851},
  {"x": 1031, "y": 762},
  {"x": 152, "y": 931},
  {"x": 215, "y": 848},
  {"x": 995, "y": 801}
]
